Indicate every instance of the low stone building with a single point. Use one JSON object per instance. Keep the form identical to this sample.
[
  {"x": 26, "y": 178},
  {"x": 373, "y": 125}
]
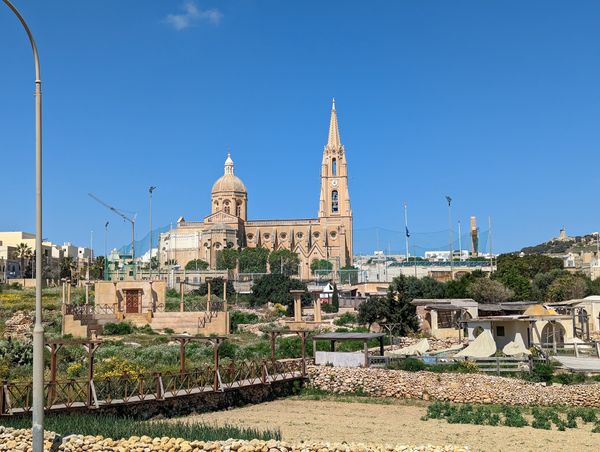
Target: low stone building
[{"x": 442, "y": 317}]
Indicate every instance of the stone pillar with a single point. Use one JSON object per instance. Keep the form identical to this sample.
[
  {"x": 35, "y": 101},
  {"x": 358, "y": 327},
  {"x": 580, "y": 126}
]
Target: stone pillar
[
  {"x": 317, "y": 307},
  {"x": 297, "y": 294}
]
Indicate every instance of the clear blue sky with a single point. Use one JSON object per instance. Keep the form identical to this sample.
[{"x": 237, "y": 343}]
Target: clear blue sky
[{"x": 496, "y": 103}]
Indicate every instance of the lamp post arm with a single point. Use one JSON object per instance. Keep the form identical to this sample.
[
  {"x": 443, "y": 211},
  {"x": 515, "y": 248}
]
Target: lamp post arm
[
  {"x": 38, "y": 329},
  {"x": 36, "y": 59}
]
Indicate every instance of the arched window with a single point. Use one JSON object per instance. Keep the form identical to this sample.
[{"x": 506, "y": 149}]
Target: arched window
[
  {"x": 238, "y": 209},
  {"x": 333, "y": 167},
  {"x": 226, "y": 208},
  {"x": 334, "y": 202}
]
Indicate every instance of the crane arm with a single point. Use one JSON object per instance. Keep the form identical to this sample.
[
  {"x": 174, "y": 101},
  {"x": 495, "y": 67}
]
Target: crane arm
[{"x": 115, "y": 210}]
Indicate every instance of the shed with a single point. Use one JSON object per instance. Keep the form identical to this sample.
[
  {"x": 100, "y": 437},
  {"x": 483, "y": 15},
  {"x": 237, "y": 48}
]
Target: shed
[{"x": 343, "y": 359}]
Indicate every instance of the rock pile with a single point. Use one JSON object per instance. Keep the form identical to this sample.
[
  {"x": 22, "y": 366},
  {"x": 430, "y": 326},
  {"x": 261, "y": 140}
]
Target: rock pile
[
  {"x": 451, "y": 387},
  {"x": 12, "y": 439},
  {"x": 18, "y": 326},
  {"x": 435, "y": 344}
]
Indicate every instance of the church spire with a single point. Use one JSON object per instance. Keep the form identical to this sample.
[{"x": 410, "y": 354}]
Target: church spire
[
  {"x": 229, "y": 164},
  {"x": 334, "y": 132}
]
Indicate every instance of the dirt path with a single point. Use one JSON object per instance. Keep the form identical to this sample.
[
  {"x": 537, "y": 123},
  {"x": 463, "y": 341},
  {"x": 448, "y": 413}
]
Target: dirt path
[{"x": 394, "y": 423}]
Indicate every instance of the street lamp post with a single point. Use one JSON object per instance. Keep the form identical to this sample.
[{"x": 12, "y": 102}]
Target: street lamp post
[
  {"x": 38, "y": 329},
  {"x": 449, "y": 200},
  {"x": 150, "y": 190}
]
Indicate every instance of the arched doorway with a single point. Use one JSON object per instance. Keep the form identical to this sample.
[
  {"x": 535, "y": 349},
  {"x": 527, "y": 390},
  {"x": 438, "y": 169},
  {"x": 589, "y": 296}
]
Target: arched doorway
[{"x": 553, "y": 333}]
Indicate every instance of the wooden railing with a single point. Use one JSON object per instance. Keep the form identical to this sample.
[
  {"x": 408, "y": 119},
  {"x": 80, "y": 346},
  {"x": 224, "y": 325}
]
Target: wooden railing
[
  {"x": 493, "y": 364},
  {"x": 17, "y": 397},
  {"x": 578, "y": 350}
]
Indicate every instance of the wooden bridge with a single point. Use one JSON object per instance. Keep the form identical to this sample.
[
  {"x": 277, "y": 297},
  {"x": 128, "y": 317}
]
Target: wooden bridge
[{"x": 93, "y": 393}]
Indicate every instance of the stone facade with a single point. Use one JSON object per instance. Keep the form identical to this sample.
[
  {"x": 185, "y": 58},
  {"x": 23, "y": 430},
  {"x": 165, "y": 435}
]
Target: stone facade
[{"x": 329, "y": 236}]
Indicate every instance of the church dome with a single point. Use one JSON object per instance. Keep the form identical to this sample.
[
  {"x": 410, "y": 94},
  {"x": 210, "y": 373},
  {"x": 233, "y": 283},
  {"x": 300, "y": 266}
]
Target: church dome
[{"x": 228, "y": 182}]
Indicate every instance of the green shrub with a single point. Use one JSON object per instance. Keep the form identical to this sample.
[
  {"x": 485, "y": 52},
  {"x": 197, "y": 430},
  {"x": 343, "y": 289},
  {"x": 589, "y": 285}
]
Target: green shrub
[
  {"x": 467, "y": 367},
  {"x": 513, "y": 416},
  {"x": 118, "y": 329},
  {"x": 238, "y": 318},
  {"x": 409, "y": 364},
  {"x": 542, "y": 372},
  {"x": 146, "y": 329},
  {"x": 328, "y": 308},
  {"x": 172, "y": 293},
  {"x": 569, "y": 379},
  {"x": 345, "y": 319},
  {"x": 123, "y": 427}
]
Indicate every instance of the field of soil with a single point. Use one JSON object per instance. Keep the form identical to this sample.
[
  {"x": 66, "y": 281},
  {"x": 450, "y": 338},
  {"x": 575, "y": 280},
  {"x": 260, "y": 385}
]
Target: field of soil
[{"x": 393, "y": 422}]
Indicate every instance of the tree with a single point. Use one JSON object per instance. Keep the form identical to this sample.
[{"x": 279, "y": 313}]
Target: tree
[
  {"x": 528, "y": 265},
  {"x": 275, "y": 288},
  {"x": 372, "y": 310},
  {"x": 485, "y": 290},
  {"x": 227, "y": 259},
  {"x": 284, "y": 262},
  {"x": 97, "y": 268},
  {"x": 396, "y": 307},
  {"x": 322, "y": 265},
  {"x": 517, "y": 282},
  {"x": 400, "y": 309},
  {"x": 253, "y": 260},
  {"x": 457, "y": 288},
  {"x": 542, "y": 281},
  {"x": 216, "y": 288},
  {"x": 196, "y": 264},
  {"x": 67, "y": 267},
  {"x": 567, "y": 287},
  {"x": 335, "y": 299},
  {"x": 23, "y": 253}
]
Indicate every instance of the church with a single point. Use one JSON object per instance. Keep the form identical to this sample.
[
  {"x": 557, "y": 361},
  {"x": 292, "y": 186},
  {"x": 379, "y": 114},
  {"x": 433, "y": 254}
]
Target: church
[{"x": 328, "y": 236}]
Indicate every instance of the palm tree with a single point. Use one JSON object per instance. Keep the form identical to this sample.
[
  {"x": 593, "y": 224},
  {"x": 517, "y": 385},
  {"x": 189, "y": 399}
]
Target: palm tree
[{"x": 23, "y": 252}]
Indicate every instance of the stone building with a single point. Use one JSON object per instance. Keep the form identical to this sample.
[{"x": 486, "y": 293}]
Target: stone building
[{"x": 328, "y": 236}]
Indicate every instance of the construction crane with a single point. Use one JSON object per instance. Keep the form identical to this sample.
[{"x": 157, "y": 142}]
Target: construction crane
[{"x": 125, "y": 217}]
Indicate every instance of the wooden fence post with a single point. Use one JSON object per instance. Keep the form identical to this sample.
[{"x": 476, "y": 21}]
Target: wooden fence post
[
  {"x": 158, "y": 387},
  {"x": 2, "y": 399}
]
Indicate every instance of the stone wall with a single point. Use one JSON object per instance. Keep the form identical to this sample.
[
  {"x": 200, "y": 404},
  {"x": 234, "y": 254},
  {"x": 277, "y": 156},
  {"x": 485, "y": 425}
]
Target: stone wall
[
  {"x": 452, "y": 387},
  {"x": 12, "y": 439}
]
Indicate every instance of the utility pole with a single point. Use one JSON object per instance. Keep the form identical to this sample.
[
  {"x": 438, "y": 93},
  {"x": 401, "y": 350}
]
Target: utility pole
[
  {"x": 490, "y": 240},
  {"x": 150, "y": 190},
  {"x": 38, "y": 329},
  {"x": 449, "y": 200},
  {"x": 406, "y": 233},
  {"x": 459, "y": 243},
  {"x": 106, "y": 250}
]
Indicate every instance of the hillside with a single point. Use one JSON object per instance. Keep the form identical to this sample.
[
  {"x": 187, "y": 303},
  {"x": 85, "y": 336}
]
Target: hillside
[{"x": 563, "y": 245}]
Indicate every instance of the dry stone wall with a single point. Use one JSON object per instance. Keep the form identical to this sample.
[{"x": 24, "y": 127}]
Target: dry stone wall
[
  {"x": 11, "y": 440},
  {"x": 451, "y": 387}
]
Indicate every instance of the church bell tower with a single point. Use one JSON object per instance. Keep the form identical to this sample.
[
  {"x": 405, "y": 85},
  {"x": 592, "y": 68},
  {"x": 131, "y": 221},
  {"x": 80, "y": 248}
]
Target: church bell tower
[{"x": 335, "y": 212}]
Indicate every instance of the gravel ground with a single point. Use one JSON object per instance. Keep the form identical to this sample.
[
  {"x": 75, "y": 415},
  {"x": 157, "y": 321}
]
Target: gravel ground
[{"x": 398, "y": 422}]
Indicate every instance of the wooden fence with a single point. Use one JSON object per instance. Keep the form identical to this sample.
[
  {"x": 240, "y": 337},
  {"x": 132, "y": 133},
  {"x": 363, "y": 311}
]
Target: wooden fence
[
  {"x": 494, "y": 364},
  {"x": 17, "y": 397}
]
